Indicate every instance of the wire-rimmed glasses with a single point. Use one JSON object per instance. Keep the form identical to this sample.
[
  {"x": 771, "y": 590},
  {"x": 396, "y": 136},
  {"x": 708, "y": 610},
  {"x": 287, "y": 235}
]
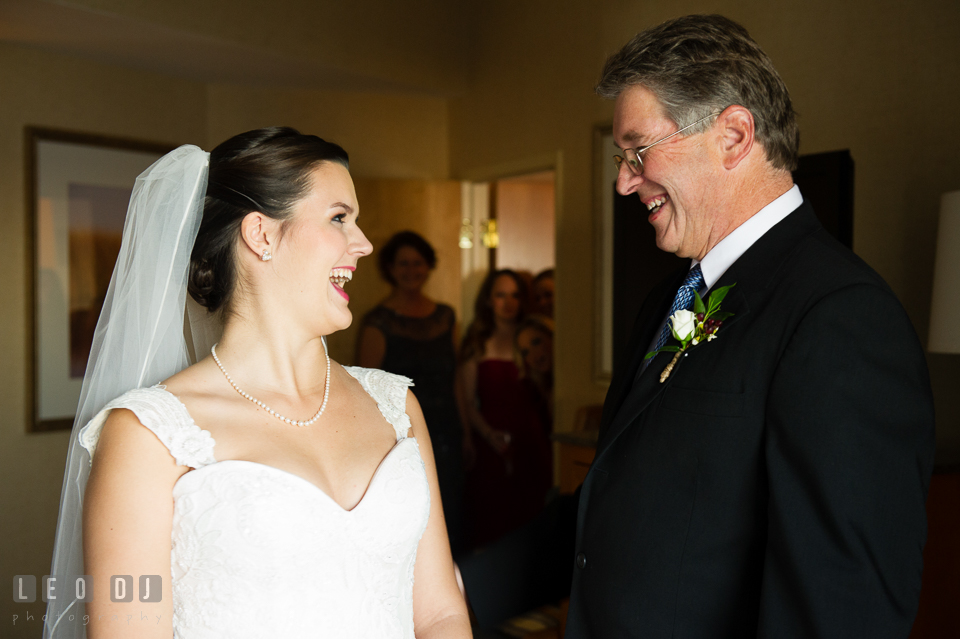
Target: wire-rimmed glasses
[{"x": 633, "y": 158}]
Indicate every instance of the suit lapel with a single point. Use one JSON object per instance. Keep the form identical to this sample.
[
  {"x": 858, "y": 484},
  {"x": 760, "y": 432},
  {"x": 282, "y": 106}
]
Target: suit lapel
[
  {"x": 641, "y": 394},
  {"x": 649, "y": 386},
  {"x": 752, "y": 273},
  {"x": 647, "y": 322}
]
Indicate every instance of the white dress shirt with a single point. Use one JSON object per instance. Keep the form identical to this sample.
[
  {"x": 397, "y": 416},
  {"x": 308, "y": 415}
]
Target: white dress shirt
[{"x": 729, "y": 249}]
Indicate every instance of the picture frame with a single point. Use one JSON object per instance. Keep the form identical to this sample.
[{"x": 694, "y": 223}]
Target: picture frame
[
  {"x": 604, "y": 175},
  {"x": 77, "y": 191}
]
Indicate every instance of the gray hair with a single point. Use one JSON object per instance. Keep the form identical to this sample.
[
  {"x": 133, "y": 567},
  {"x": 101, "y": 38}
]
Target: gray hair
[{"x": 701, "y": 64}]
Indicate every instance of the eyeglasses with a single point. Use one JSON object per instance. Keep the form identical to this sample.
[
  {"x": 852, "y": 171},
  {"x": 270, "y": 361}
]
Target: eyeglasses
[{"x": 633, "y": 158}]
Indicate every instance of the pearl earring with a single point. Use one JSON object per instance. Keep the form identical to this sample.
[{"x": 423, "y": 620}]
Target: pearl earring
[{"x": 265, "y": 256}]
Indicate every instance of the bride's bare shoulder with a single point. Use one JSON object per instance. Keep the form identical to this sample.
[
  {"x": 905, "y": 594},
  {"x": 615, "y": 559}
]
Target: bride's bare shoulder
[
  {"x": 198, "y": 379},
  {"x": 201, "y": 388}
]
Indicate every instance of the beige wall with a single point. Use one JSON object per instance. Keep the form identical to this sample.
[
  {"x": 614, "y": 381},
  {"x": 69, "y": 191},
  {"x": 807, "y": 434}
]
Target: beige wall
[
  {"x": 413, "y": 45},
  {"x": 390, "y": 136},
  {"x": 878, "y": 78}
]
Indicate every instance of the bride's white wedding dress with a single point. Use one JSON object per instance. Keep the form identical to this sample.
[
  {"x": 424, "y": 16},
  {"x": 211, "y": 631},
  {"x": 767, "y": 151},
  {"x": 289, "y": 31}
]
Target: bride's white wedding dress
[{"x": 260, "y": 552}]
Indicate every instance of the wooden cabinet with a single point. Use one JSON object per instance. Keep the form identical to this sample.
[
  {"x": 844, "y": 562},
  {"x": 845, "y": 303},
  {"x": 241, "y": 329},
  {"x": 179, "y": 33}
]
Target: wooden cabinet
[
  {"x": 938, "y": 616},
  {"x": 576, "y": 454}
]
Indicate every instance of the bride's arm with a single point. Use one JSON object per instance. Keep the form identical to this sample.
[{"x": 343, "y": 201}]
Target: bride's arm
[
  {"x": 438, "y": 607},
  {"x": 127, "y": 520}
]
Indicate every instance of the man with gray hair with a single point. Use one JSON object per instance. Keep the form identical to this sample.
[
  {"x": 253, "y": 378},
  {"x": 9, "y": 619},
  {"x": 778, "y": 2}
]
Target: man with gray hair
[{"x": 764, "y": 474}]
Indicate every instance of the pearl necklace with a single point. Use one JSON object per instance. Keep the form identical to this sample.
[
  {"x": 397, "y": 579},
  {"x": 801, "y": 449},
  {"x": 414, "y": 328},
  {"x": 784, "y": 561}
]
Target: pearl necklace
[{"x": 323, "y": 407}]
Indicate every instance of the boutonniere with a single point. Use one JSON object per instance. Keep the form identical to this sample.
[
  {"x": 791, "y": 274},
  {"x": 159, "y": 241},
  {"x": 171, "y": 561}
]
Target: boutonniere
[{"x": 693, "y": 327}]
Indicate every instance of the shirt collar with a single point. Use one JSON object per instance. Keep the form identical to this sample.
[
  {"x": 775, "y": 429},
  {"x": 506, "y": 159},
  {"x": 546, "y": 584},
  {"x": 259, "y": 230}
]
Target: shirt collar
[{"x": 729, "y": 249}]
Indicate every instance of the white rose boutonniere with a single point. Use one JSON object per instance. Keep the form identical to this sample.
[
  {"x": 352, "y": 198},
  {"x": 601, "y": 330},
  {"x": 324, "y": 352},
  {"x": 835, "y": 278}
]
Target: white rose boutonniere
[
  {"x": 692, "y": 327},
  {"x": 683, "y": 323}
]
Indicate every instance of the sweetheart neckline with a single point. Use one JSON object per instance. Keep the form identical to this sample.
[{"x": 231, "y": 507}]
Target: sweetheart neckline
[
  {"x": 366, "y": 491},
  {"x": 309, "y": 483}
]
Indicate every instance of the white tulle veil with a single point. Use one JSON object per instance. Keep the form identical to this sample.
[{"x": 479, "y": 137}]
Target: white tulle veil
[{"x": 147, "y": 332}]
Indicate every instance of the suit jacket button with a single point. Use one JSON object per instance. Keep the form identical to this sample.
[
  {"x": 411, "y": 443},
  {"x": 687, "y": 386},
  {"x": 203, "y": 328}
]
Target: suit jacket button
[{"x": 581, "y": 560}]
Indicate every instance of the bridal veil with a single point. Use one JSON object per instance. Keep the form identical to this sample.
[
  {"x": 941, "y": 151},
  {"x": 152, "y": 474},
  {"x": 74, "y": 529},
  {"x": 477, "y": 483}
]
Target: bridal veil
[{"x": 146, "y": 333}]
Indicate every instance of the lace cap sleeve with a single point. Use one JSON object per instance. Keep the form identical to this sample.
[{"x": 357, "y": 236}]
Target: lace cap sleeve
[
  {"x": 390, "y": 393},
  {"x": 166, "y": 417}
]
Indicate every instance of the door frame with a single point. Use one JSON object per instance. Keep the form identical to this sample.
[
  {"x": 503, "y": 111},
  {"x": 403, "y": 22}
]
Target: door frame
[{"x": 492, "y": 173}]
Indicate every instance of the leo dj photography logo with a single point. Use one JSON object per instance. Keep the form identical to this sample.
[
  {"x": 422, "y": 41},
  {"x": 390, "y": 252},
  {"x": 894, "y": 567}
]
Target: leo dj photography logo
[{"x": 80, "y": 587}]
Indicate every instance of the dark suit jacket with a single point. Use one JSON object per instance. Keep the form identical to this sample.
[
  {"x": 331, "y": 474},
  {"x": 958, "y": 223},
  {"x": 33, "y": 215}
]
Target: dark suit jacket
[{"x": 774, "y": 486}]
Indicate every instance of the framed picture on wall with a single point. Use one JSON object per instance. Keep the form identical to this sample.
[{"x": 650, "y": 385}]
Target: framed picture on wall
[
  {"x": 78, "y": 188},
  {"x": 604, "y": 174}
]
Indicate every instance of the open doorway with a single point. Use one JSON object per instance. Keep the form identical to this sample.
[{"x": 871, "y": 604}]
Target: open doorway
[
  {"x": 506, "y": 380},
  {"x": 508, "y": 223},
  {"x": 523, "y": 207}
]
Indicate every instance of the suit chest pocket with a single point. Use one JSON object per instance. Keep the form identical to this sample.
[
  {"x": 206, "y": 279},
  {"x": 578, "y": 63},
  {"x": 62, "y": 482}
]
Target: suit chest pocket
[{"x": 702, "y": 402}]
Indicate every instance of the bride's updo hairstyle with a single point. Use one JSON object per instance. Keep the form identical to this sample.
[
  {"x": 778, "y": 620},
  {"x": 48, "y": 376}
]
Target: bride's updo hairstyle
[{"x": 266, "y": 170}]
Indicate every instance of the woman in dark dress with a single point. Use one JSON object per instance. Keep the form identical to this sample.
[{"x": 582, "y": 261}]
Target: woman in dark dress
[
  {"x": 508, "y": 484},
  {"x": 409, "y": 334}
]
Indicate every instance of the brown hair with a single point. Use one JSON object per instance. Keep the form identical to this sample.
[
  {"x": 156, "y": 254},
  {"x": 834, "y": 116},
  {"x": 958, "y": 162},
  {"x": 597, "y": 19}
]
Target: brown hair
[
  {"x": 266, "y": 170},
  {"x": 701, "y": 64},
  {"x": 388, "y": 254},
  {"x": 542, "y": 324},
  {"x": 483, "y": 324}
]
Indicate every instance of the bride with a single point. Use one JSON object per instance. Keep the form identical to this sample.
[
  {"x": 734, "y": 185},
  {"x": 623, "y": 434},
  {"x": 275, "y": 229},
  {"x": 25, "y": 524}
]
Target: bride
[{"x": 266, "y": 490}]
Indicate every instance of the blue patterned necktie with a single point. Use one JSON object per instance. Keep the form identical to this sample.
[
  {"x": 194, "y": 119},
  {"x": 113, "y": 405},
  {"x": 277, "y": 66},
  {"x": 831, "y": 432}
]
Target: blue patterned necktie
[{"x": 682, "y": 302}]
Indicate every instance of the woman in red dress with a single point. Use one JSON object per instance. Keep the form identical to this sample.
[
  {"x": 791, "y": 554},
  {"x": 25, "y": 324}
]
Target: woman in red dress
[{"x": 512, "y": 472}]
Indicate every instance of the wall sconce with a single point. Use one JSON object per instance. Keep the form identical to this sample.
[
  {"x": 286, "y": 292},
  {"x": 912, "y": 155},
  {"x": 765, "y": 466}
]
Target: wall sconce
[
  {"x": 945, "y": 307},
  {"x": 491, "y": 238},
  {"x": 466, "y": 234}
]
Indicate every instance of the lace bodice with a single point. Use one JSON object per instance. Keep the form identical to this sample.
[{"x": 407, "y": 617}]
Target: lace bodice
[{"x": 261, "y": 552}]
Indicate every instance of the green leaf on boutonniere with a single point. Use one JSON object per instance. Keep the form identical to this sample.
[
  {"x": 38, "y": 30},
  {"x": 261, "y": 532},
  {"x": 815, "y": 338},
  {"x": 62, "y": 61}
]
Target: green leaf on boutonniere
[
  {"x": 698, "y": 306},
  {"x": 665, "y": 349},
  {"x": 717, "y": 296},
  {"x": 721, "y": 315}
]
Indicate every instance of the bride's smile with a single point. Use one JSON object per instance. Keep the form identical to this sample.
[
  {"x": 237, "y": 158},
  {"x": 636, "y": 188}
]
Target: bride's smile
[{"x": 339, "y": 278}]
